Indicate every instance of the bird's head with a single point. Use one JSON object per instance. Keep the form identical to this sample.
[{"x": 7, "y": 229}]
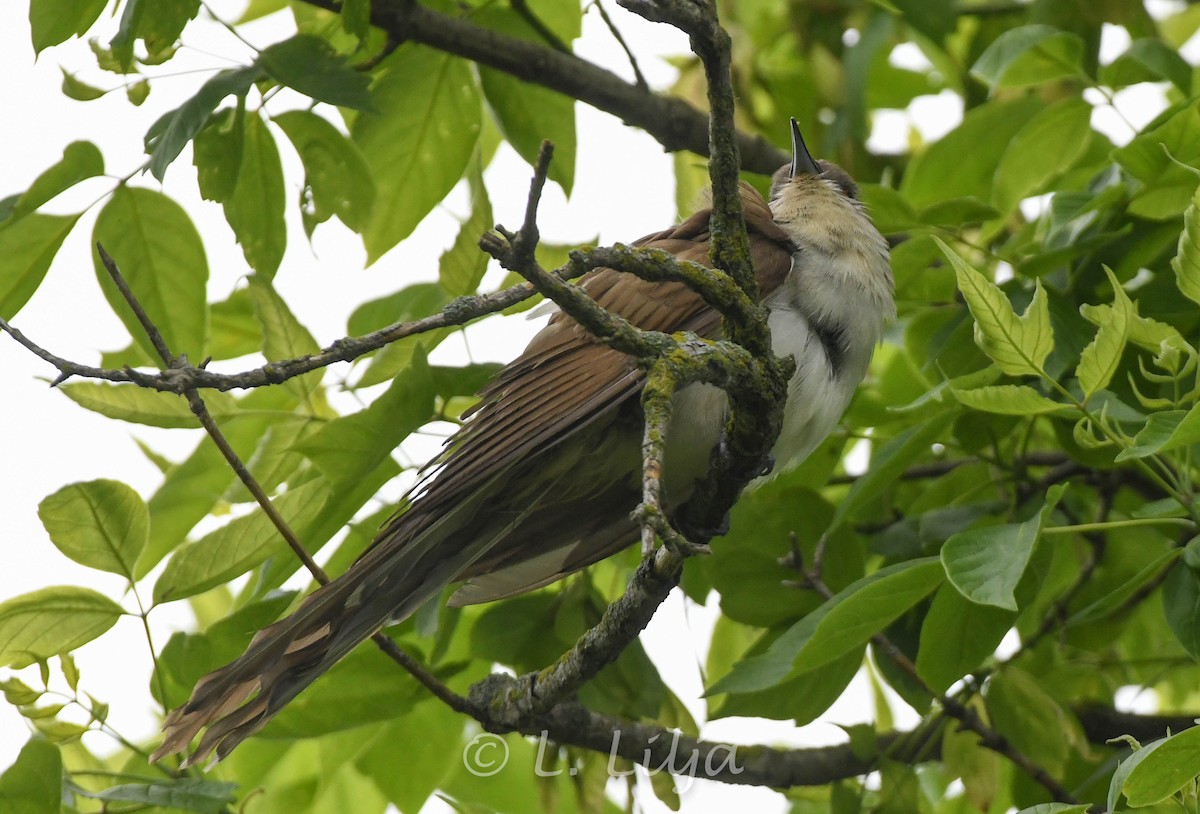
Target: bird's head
[
  {"x": 804, "y": 173},
  {"x": 817, "y": 203}
]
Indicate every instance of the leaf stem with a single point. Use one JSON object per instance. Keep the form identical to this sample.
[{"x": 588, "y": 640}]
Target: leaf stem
[{"x": 1119, "y": 524}]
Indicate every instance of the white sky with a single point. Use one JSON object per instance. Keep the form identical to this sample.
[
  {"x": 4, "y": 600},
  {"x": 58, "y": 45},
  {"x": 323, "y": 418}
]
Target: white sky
[{"x": 47, "y": 441}]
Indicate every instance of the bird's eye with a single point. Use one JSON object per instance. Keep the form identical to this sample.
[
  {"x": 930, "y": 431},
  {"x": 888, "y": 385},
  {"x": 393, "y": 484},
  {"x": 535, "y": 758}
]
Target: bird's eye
[{"x": 844, "y": 183}]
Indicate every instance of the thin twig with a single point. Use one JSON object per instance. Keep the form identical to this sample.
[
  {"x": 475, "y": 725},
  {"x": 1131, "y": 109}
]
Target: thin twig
[
  {"x": 180, "y": 378},
  {"x": 638, "y": 78}
]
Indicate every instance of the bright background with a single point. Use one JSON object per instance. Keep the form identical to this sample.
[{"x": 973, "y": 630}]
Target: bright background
[{"x": 624, "y": 188}]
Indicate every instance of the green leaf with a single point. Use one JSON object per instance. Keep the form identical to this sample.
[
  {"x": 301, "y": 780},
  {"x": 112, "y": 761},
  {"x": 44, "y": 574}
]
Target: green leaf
[
  {"x": 419, "y": 142},
  {"x": 1148, "y": 60},
  {"x": 284, "y": 337},
  {"x": 435, "y": 727},
  {"x": 356, "y": 18},
  {"x": 138, "y": 92},
  {"x": 27, "y": 248},
  {"x": 1018, "y": 345},
  {"x": 985, "y": 564},
  {"x": 802, "y": 698},
  {"x": 1116, "y": 599},
  {"x": 54, "y": 21},
  {"x": 1143, "y": 331},
  {"x": 1171, "y": 765},
  {"x": 1116, "y": 786},
  {"x": 217, "y": 153},
  {"x": 140, "y": 405},
  {"x": 44, "y": 623},
  {"x": 1100, "y": 358},
  {"x": 33, "y": 784},
  {"x": 1027, "y": 168},
  {"x": 405, "y": 305},
  {"x": 845, "y": 622},
  {"x": 127, "y": 33},
  {"x": 1181, "y": 606},
  {"x": 170, "y": 134},
  {"x": 888, "y": 462},
  {"x": 963, "y": 163},
  {"x": 1186, "y": 262},
  {"x": 237, "y": 546},
  {"x": 955, "y": 212},
  {"x": 1055, "y": 808},
  {"x": 254, "y": 209},
  {"x": 346, "y": 448},
  {"x": 18, "y": 693},
  {"x": 957, "y": 636},
  {"x": 745, "y": 568},
  {"x": 1167, "y": 188},
  {"x": 365, "y": 687},
  {"x": 1030, "y": 55},
  {"x": 529, "y": 114},
  {"x": 462, "y": 266},
  {"x": 77, "y": 89},
  {"x": 1163, "y": 432},
  {"x": 308, "y": 64},
  {"x": 934, "y": 19},
  {"x": 563, "y": 17},
  {"x": 160, "y": 30},
  {"x": 336, "y": 174},
  {"x": 102, "y": 524},
  {"x": 1009, "y": 399},
  {"x": 1030, "y": 718},
  {"x": 160, "y": 254},
  {"x": 234, "y": 328},
  {"x": 81, "y": 160}
]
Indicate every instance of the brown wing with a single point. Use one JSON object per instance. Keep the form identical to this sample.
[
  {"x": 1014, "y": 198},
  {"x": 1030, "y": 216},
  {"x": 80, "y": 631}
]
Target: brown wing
[
  {"x": 566, "y": 379},
  {"x": 564, "y": 382}
]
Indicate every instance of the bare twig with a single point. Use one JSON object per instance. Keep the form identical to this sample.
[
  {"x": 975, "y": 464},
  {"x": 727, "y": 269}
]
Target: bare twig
[
  {"x": 616, "y": 32},
  {"x": 182, "y": 377}
]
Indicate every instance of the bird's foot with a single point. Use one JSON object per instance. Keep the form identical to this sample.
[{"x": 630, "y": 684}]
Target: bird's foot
[
  {"x": 692, "y": 532},
  {"x": 721, "y": 456}
]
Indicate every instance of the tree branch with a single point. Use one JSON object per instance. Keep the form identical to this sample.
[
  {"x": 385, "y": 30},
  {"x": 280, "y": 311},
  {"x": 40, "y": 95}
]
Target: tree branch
[
  {"x": 674, "y": 123},
  {"x": 183, "y": 376}
]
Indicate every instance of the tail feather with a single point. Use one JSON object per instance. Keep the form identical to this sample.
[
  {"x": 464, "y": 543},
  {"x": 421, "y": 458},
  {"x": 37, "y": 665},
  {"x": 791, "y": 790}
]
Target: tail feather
[{"x": 386, "y": 585}]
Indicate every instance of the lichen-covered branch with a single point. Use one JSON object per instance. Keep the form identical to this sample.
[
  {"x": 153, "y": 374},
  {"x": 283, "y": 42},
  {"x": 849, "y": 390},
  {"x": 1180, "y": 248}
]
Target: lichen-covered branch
[{"x": 185, "y": 376}]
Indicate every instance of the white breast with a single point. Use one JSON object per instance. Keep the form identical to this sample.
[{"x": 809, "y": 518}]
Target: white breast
[{"x": 844, "y": 290}]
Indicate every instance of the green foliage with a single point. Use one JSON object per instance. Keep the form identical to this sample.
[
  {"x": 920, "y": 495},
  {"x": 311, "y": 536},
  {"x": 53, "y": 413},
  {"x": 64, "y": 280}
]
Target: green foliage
[{"x": 1047, "y": 276}]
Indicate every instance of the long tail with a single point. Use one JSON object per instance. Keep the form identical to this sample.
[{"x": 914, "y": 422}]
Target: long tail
[{"x": 386, "y": 585}]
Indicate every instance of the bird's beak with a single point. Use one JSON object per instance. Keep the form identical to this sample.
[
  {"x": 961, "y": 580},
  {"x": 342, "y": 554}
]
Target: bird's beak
[{"x": 802, "y": 161}]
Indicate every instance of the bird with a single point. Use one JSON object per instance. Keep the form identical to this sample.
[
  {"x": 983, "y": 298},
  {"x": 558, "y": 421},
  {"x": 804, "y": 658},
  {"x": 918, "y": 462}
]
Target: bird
[{"x": 541, "y": 478}]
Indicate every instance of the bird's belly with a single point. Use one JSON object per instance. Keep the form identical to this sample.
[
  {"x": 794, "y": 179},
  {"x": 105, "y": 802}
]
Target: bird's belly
[
  {"x": 817, "y": 396},
  {"x": 817, "y": 393}
]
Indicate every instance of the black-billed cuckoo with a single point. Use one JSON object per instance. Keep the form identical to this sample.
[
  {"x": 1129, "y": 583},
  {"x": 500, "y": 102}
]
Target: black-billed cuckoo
[{"x": 541, "y": 480}]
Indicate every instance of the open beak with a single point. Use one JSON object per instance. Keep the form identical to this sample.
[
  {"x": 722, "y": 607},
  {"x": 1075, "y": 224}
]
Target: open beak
[{"x": 802, "y": 161}]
